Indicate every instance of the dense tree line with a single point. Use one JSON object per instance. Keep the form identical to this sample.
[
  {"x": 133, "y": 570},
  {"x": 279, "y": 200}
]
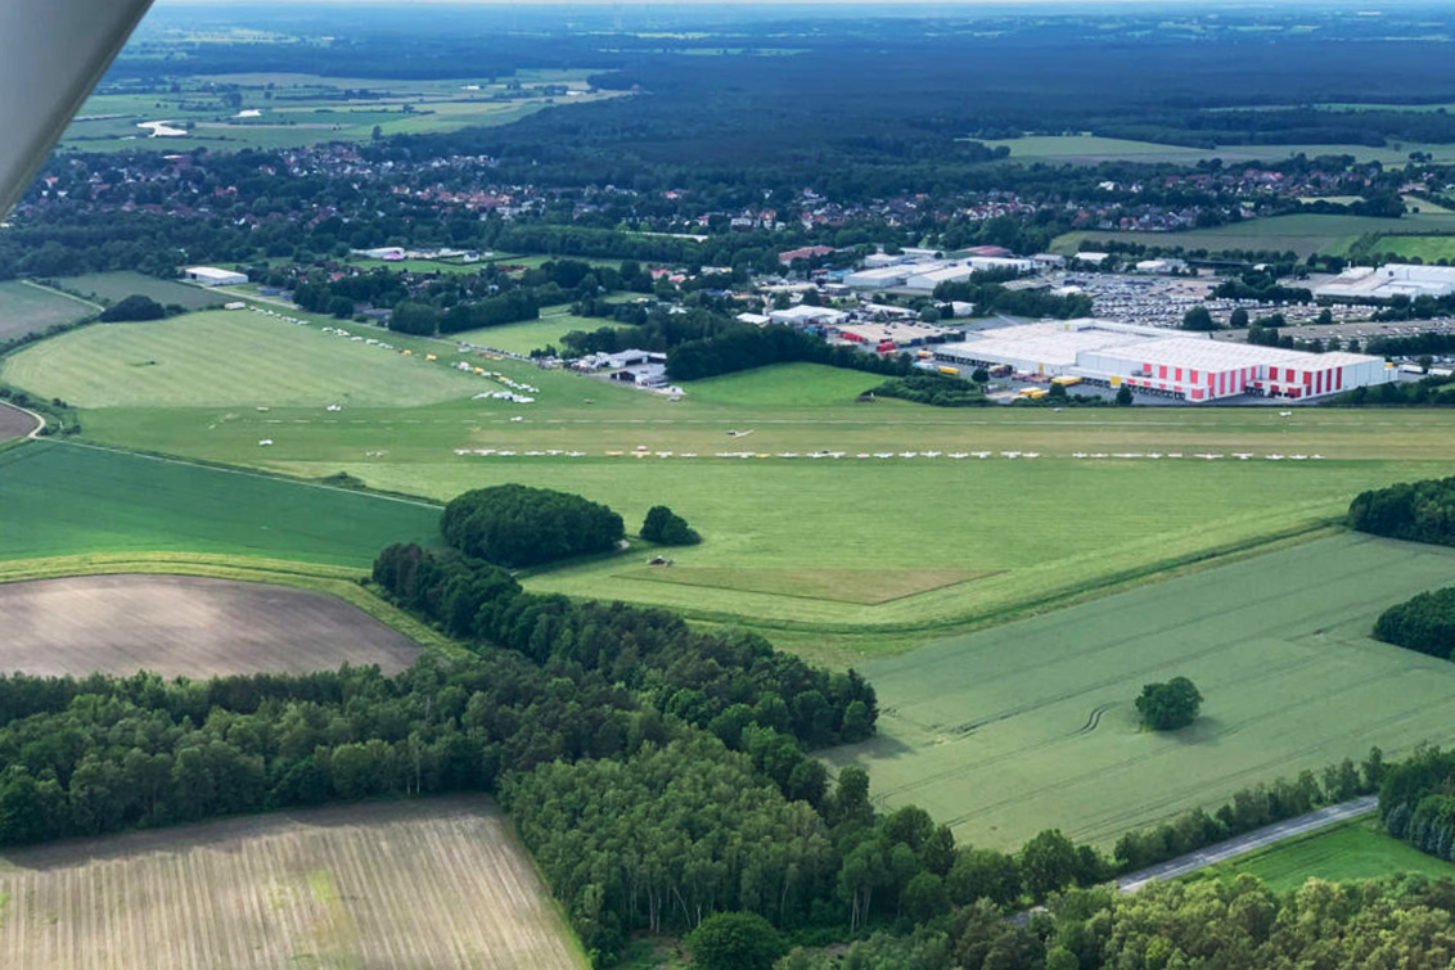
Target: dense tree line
[
  {"x": 1249, "y": 809},
  {"x": 992, "y": 297},
  {"x": 1237, "y": 924},
  {"x": 516, "y": 525},
  {"x": 939, "y": 390},
  {"x": 744, "y": 346},
  {"x": 84, "y": 757},
  {"x": 1425, "y": 623},
  {"x": 1425, "y": 392},
  {"x": 736, "y": 685},
  {"x": 1416, "y": 802},
  {"x": 1421, "y": 511}
]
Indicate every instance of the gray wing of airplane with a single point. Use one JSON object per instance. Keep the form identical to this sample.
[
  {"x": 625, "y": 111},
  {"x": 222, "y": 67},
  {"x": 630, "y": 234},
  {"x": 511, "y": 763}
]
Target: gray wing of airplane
[{"x": 52, "y": 53}]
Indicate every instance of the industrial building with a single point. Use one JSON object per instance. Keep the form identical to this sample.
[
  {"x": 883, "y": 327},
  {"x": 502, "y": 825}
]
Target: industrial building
[
  {"x": 212, "y": 276},
  {"x": 1366, "y": 284},
  {"x": 1191, "y": 368}
]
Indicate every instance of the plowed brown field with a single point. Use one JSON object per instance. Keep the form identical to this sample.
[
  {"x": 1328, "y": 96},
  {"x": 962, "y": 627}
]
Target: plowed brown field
[{"x": 176, "y": 625}]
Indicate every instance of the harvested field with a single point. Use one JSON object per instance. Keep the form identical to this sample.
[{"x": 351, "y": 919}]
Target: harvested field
[
  {"x": 183, "y": 625},
  {"x": 14, "y": 423},
  {"x": 437, "y": 883}
]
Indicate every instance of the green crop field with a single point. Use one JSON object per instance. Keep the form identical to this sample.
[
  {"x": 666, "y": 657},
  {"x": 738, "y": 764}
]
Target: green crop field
[
  {"x": 114, "y": 287},
  {"x": 1093, "y": 149},
  {"x": 1352, "y": 851},
  {"x": 28, "y": 308},
  {"x": 224, "y": 358},
  {"x": 1304, "y": 233},
  {"x": 63, "y": 499},
  {"x": 1426, "y": 249},
  {"x": 1031, "y": 724}
]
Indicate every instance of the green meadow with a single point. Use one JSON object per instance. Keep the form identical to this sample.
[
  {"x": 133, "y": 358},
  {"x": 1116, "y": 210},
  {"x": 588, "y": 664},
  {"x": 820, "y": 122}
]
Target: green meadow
[
  {"x": 29, "y": 308},
  {"x": 62, "y": 499},
  {"x": 114, "y": 287},
  {"x": 1092, "y": 149},
  {"x": 1349, "y": 852},
  {"x": 293, "y": 110},
  {"x": 1031, "y": 724},
  {"x": 1425, "y": 249},
  {"x": 841, "y": 558},
  {"x": 1302, "y": 233}
]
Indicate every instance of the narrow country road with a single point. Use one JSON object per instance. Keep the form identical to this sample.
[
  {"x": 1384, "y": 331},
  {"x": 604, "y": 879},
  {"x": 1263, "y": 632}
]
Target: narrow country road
[{"x": 1252, "y": 841}]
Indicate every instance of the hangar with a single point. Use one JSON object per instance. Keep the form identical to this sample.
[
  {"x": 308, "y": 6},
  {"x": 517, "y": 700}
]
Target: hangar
[{"x": 1196, "y": 369}]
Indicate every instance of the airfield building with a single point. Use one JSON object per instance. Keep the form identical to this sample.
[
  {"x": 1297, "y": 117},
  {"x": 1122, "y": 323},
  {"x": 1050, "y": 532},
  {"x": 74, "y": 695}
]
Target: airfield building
[
  {"x": 212, "y": 276},
  {"x": 1366, "y": 284},
  {"x": 1191, "y": 368}
]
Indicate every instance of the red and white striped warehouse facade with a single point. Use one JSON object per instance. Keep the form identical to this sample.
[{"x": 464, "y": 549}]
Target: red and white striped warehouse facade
[{"x": 1193, "y": 368}]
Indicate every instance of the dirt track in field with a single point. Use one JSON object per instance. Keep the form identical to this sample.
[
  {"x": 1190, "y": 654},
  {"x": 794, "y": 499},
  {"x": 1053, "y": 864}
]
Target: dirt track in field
[
  {"x": 434, "y": 883},
  {"x": 177, "y": 625},
  {"x": 14, "y": 423}
]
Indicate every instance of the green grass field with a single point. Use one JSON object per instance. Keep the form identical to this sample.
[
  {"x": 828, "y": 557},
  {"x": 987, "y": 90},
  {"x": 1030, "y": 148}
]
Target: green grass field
[
  {"x": 1427, "y": 249},
  {"x": 28, "y": 308},
  {"x": 1031, "y": 724},
  {"x": 114, "y": 287},
  {"x": 1092, "y": 149},
  {"x": 868, "y": 542},
  {"x": 292, "y": 110},
  {"x": 522, "y": 338},
  {"x": 1353, "y": 851},
  {"x": 225, "y": 358},
  {"x": 64, "y": 499},
  {"x": 1303, "y": 233}
]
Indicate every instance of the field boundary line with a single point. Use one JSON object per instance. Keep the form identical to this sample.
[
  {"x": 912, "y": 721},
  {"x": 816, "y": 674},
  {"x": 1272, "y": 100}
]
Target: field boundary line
[
  {"x": 251, "y": 473},
  {"x": 70, "y": 296},
  {"x": 1118, "y": 582}
]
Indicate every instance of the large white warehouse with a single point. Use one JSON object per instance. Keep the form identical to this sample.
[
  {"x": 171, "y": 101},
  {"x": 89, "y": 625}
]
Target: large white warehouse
[
  {"x": 1365, "y": 283},
  {"x": 1196, "y": 369}
]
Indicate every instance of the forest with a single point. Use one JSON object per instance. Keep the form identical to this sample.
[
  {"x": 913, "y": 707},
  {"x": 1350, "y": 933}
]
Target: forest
[
  {"x": 1425, "y": 623},
  {"x": 1419, "y": 511}
]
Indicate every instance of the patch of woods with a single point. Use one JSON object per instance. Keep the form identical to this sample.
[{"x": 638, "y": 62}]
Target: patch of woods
[
  {"x": 743, "y": 346},
  {"x": 938, "y": 390},
  {"x": 1425, "y": 623},
  {"x": 516, "y": 525},
  {"x": 135, "y": 308},
  {"x": 1237, "y": 924},
  {"x": 1417, "y": 804},
  {"x": 1421, "y": 511},
  {"x": 667, "y": 528}
]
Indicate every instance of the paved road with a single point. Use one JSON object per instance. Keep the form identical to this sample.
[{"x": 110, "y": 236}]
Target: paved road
[{"x": 1243, "y": 844}]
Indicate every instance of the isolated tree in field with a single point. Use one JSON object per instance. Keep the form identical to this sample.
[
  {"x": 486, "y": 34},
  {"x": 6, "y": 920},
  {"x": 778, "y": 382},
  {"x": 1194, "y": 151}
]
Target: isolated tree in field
[
  {"x": 514, "y": 525},
  {"x": 1198, "y": 318},
  {"x": 664, "y": 526},
  {"x": 1169, "y": 706},
  {"x": 735, "y": 941}
]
